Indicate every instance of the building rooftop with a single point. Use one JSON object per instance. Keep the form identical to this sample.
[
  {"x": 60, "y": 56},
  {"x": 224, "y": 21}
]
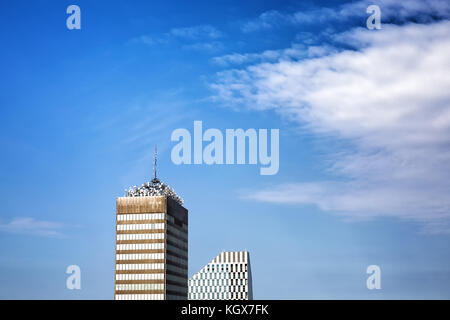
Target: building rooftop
[{"x": 154, "y": 188}]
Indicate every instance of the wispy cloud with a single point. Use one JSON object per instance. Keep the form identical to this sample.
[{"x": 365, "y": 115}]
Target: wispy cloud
[
  {"x": 392, "y": 11},
  {"x": 200, "y": 38},
  {"x": 266, "y": 20},
  {"x": 297, "y": 51},
  {"x": 388, "y": 98},
  {"x": 423, "y": 11},
  {"x": 196, "y": 32},
  {"x": 212, "y": 46},
  {"x": 31, "y": 226},
  {"x": 148, "y": 40}
]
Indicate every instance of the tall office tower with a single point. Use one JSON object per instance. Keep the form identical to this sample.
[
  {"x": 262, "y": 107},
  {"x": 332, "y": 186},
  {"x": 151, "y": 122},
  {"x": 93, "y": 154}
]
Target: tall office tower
[
  {"x": 227, "y": 277},
  {"x": 151, "y": 244}
]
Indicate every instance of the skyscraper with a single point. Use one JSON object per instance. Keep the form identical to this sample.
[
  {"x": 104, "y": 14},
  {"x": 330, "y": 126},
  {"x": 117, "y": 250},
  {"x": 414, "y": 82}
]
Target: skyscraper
[
  {"x": 227, "y": 277},
  {"x": 151, "y": 244}
]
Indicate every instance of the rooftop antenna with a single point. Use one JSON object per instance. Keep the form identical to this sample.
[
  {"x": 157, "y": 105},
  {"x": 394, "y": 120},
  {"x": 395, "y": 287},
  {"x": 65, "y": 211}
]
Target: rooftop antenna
[{"x": 156, "y": 159}]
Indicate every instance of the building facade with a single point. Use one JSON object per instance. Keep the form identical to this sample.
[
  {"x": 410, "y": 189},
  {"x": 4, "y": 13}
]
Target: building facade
[
  {"x": 151, "y": 244},
  {"x": 227, "y": 277}
]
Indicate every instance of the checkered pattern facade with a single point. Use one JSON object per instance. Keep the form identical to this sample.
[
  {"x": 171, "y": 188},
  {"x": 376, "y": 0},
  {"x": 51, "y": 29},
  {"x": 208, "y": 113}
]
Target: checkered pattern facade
[{"x": 227, "y": 277}]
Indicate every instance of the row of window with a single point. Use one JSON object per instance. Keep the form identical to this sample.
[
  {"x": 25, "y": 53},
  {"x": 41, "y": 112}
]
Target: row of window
[
  {"x": 140, "y": 256},
  {"x": 139, "y": 297},
  {"x": 140, "y": 236},
  {"x": 140, "y": 276},
  {"x": 172, "y": 219},
  {"x": 140, "y": 246},
  {"x": 219, "y": 275},
  {"x": 178, "y": 289},
  {"x": 218, "y": 282},
  {"x": 183, "y": 235},
  {"x": 140, "y": 216},
  {"x": 140, "y": 266},
  {"x": 148, "y": 276},
  {"x": 177, "y": 250},
  {"x": 232, "y": 267},
  {"x": 140, "y": 286},
  {"x": 176, "y": 269},
  {"x": 140, "y": 226},
  {"x": 218, "y": 296},
  {"x": 175, "y": 278},
  {"x": 230, "y": 288},
  {"x": 180, "y": 243},
  {"x": 177, "y": 260},
  {"x": 175, "y": 297}
]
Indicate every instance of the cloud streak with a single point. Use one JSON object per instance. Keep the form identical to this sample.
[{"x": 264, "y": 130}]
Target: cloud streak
[
  {"x": 296, "y": 52},
  {"x": 31, "y": 226},
  {"x": 196, "y": 32},
  {"x": 199, "y": 38}
]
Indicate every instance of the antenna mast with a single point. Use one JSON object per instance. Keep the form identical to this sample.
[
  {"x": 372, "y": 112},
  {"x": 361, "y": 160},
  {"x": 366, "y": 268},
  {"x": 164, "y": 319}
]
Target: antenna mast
[{"x": 156, "y": 158}]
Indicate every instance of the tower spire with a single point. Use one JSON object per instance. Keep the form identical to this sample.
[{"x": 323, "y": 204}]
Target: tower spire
[{"x": 156, "y": 158}]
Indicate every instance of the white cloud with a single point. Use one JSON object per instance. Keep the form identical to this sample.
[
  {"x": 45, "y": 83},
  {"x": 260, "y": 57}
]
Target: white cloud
[
  {"x": 391, "y": 10},
  {"x": 32, "y": 226},
  {"x": 390, "y": 99}
]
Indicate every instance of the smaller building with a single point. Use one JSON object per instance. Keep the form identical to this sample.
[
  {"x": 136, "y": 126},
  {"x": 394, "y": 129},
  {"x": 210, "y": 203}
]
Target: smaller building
[{"x": 227, "y": 277}]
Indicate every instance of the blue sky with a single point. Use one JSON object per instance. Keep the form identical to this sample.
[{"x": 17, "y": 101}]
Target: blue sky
[{"x": 364, "y": 140}]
